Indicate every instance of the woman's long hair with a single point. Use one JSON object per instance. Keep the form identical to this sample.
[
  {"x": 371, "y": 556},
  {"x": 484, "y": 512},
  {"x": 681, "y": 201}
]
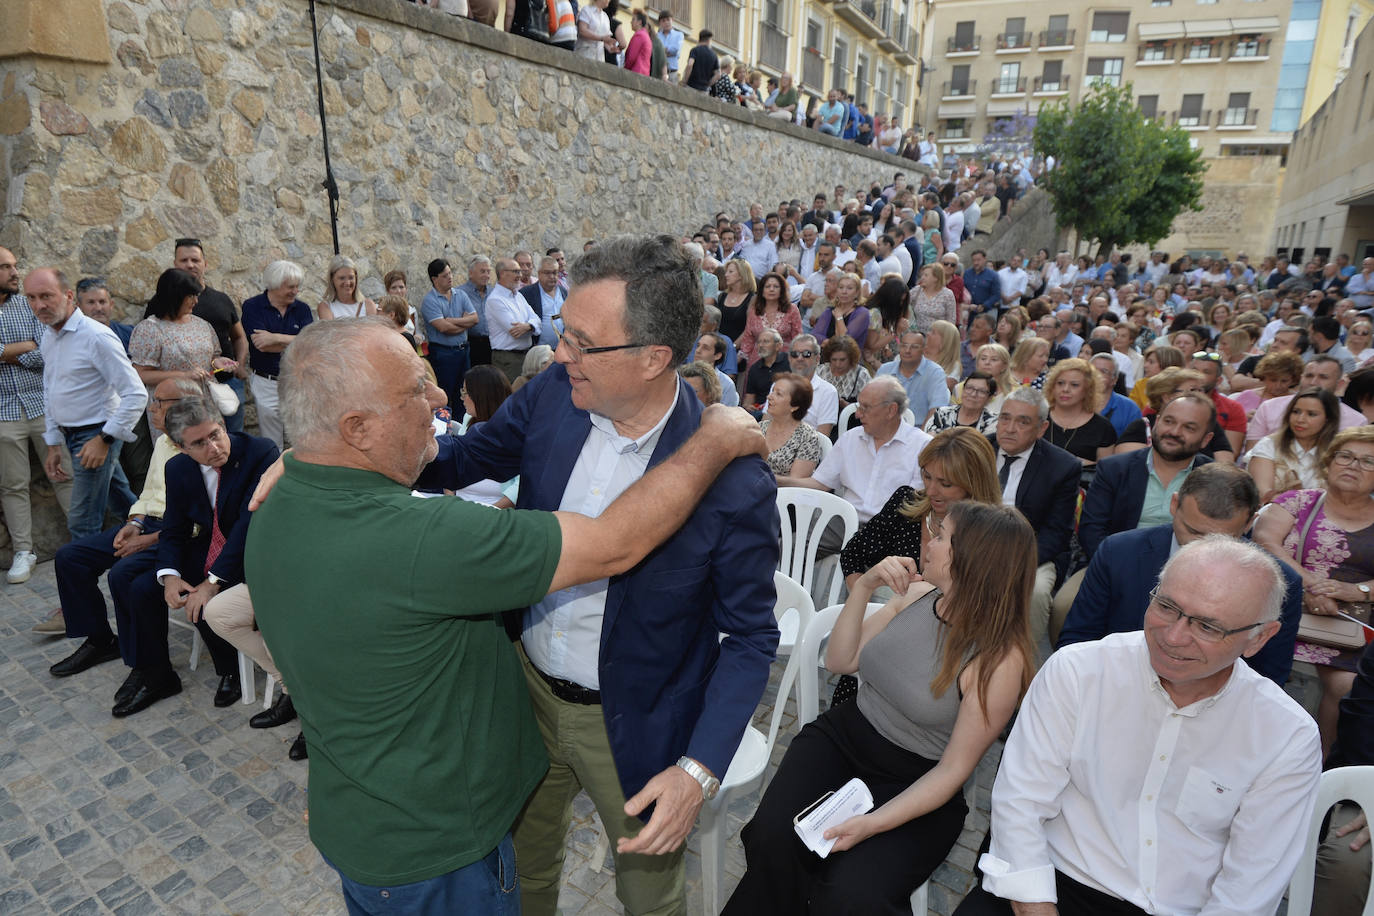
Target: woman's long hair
[
  {"x": 1330, "y": 426},
  {"x": 891, "y": 300},
  {"x": 488, "y": 387},
  {"x": 987, "y": 607},
  {"x": 969, "y": 462}
]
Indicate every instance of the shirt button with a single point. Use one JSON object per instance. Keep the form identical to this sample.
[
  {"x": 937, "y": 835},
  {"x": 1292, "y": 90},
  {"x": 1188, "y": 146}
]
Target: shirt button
[
  {"x": 1163, "y": 756},
  {"x": 1149, "y": 842},
  {"x": 1149, "y": 798}
]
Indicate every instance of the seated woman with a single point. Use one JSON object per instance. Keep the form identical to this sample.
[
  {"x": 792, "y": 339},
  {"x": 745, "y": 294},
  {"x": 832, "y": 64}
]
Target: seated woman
[
  {"x": 1278, "y": 374},
  {"x": 1029, "y": 361},
  {"x": 485, "y": 388},
  {"x": 1157, "y": 358},
  {"x": 847, "y": 316},
  {"x": 702, "y": 379},
  {"x": 995, "y": 360},
  {"x": 1163, "y": 387},
  {"x": 537, "y": 358},
  {"x": 1073, "y": 389},
  {"x": 975, "y": 394},
  {"x": 1287, "y": 459},
  {"x": 794, "y": 447},
  {"x": 942, "y": 348},
  {"x": 943, "y": 666},
  {"x": 841, "y": 366}
]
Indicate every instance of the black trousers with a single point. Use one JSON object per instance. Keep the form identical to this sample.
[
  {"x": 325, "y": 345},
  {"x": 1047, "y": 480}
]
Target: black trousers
[
  {"x": 79, "y": 564},
  {"x": 148, "y": 608},
  {"x": 875, "y": 877},
  {"x": 1074, "y": 900}
]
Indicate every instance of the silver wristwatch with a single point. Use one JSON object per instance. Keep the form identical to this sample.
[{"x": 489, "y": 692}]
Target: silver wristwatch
[
  {"x": 710, "y": 785},
  {"x": 1364, "y": 590}
]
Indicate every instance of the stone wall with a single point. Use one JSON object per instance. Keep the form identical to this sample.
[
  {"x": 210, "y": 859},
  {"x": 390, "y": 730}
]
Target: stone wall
[
  {"x": 1030, "y": 226},
  {"x": 447, "y": 138},
  {"x": 1240, "y": 196}
]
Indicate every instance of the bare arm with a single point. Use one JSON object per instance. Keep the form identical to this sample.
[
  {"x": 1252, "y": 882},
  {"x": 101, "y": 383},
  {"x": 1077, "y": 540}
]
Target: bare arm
[
  {"x": 152, "y": 377},
  {"x": 1272, "y": 525},
  {"x": 12, "y": 352},
  {"x": 853, "y": 629},
  {"x": 801, "y": 468},
  {"x": 809, "y": 482},
  {"x": 1262, "y": 469},
  {"x": 325, "y": 312}
]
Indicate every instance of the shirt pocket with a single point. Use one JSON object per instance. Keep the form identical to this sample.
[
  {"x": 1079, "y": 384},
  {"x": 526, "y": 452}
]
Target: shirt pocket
[{"x": 1206, "y": 804}]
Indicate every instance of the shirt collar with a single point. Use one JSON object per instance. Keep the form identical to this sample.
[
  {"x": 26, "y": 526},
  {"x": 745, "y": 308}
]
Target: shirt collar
[
  {"x": 1154, "y": 685},
  {"x": 644, "y": 443},
  {"x": 73, "y": 322}
]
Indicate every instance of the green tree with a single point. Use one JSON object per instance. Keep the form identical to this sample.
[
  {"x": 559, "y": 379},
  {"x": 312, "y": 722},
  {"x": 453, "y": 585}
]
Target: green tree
[{"x": 1119, "y": 177}]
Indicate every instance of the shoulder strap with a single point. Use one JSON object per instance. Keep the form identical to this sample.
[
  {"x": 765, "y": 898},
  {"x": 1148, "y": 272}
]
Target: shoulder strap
[{"x": 1307, "y": 526}]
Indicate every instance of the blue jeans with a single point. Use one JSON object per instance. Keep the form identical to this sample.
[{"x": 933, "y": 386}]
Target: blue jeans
[
  {"x": 450, "y": 365},
  {"x": 93, "y": 491},
  {"x": 234, "y": 424},
  {"x": 487, "y": 887}
]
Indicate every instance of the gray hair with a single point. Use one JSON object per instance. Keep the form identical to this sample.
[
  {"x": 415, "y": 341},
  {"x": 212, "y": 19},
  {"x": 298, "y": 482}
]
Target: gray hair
[
  {"x": 536, "y": 358},
  {"x": 663, "y": 299},
  {"x": 188, "y": 412},
  {"x": 1111, "y": 365},
  {"x": 1031, "y": 396},
  {"x": 1244, "y": 561},
  {"x": 807, "y": 340},
  {"x": 770, "y": 333},
  {"x": 325, "y": 373},
  {"x": 893, "y": 392},
  {"x": 712, "y": 315},
  {"x": 694, "y": 251},
  {"x": 282, "y": 273},
  {"x": 709, "y": 380},
  {"x": 479, "y": 259},
  {"x": 190, "y": 388}
]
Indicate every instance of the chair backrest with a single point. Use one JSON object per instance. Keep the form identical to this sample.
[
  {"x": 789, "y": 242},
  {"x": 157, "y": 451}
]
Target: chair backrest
[
  {"x": 1353, "y": 783},
  {"x": 908, "y": 417},
  {"x": 809, "y": 652},
  {"x": 826, "y": 446},
  {"x": 791, "y": 596},
  {"x": 845, "y": 414},
  {"x": 804, "y": 515}
]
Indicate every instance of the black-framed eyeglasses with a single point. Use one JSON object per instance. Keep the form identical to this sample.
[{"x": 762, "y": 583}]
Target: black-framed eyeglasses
[
  {"x": 576, "y": 352},
  {"x": 1202, "y": 628}
]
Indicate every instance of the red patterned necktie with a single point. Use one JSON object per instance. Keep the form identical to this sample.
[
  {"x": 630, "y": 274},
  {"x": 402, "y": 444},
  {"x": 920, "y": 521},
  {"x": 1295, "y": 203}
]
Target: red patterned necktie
[{"x": 216, "y": 536}]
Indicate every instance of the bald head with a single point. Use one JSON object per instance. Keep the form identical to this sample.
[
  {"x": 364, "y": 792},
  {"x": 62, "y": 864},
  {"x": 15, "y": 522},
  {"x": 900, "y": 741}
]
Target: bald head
[{"x": 50, "y": 296}]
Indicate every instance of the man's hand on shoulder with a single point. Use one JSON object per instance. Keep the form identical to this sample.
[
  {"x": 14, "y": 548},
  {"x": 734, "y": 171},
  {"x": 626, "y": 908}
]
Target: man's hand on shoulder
[
  {"x": 676, "y": 798},
  {"x": 733, "y": 430},
  {"x": 267, "y": 481}
]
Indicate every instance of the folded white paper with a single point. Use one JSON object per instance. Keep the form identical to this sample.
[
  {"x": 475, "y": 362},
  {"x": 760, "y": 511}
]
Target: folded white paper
[{"x": 852, "y": 799}]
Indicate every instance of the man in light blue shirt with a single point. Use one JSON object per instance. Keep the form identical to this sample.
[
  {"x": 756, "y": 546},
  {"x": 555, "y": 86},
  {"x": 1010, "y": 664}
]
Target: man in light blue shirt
[
  {"x": 476, "y": 290},
  {"x": 759, "y": 251},
  {"x": 672, "y": 42},
  {"x": 922, "y": 378},
  {"x": 448, "y": 316}
]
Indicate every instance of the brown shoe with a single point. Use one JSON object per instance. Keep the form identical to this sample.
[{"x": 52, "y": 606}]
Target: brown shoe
[{"x": 55, "y": 625}]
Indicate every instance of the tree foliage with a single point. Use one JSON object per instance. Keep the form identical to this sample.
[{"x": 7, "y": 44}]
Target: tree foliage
[{"x": 1119, "y": 177}]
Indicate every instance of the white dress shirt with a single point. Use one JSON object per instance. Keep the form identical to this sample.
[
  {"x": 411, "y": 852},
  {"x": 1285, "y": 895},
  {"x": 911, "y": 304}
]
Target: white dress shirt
[
  {"x": 1060, "y": 278},
  {"x": 904, "y": 259},
  {"x": 890, "y": 265},
  {"x": 869, "y": 476},
  {"x": 506, "y": 307},
  {"x": 825, "y": 403},
  {"x": 806, "y": 263},
  {"x": 1013, "y": 281},
  {"x": 1014, "y": 475},
  {"x": 88, "y": 379},
  {"x": 1198, "y": 810},
  {"x": 562, "y": 634}
]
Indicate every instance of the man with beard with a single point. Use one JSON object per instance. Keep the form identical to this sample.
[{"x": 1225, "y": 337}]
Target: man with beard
[{"x": 1135, "y": 489}]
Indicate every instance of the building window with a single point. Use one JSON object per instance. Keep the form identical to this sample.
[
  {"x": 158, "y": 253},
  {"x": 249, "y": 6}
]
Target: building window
[
  {"x": 1104, "y": 70},
  {"x": 1157, "y": 50},
  {"x": 1015, "y": 35},
  {"x": 1237, "y": 111},
  {"x": 956, "y": 128},
  {"x": 839, "y": 69},
  {"x": 964, "y": 39},
  {"x": 1190, "y": 111},
  {"x": 1247, "y": 46},
  {"x": 958, "y": 80},
  {"x": 1149, "y": 105},
  {"x": 1201, "y": 50},
  {"x": 1109, "y": 26},
  {"x": 1009, "y": 80},
  {"x": 1057, "y": 32},
  {"x": 1052, "y": 76},
  {"x": 861, "y": 80},
  {"x": 1161, "y": 2}
]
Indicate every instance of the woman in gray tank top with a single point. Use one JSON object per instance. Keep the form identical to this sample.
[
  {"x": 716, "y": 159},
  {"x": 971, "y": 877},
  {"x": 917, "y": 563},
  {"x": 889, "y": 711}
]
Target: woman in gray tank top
[{"x": 942, "y": 667}]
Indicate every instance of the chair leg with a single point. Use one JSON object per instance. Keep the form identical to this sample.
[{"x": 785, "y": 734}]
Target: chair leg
[
  {"x": 248, "y": 677},
  {"x": 267, "y": 692},
  {"x": 195, "y": 648},
  {"x": 711, "y": 841},
  {"x": 920, "y": 905}
]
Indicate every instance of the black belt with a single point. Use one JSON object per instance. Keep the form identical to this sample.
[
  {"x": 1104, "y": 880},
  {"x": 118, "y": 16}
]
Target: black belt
[
  {"x": 461, "y": 346},
  {"x": 73, "y": 430},
  {"x": 569, "y": 692},
  {"x": 270, "y": 378}
]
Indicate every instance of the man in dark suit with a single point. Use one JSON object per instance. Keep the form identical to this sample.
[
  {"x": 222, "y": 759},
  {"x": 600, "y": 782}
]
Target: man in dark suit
[
  {"x": 1133, "y": 490},
  {"x": 546, "y": 297},
  {"x": 638, "y": 698},
  {"x": 199, "y": 551},
  {"x": 1041, "y": 480},
  {"x": 1214, "y": 499}
]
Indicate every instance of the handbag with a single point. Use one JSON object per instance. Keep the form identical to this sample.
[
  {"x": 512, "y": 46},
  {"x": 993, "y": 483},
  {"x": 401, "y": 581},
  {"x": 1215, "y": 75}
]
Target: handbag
[
  {"x": 226, "y": 398},
  {"x": 1322, "y": 629}
]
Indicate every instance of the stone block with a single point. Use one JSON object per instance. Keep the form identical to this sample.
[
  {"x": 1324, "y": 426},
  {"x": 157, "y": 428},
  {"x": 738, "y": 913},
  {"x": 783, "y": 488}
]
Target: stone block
[
  {"x": 250, "y": 104},
  {"x": 201, "y": 25},
  {"x": 61, "y": 119},
  {"x": 222, "y": 178},
  {"x": 138, "y": 147},
  {"x": 163, "y": 36},
  {"x": 146, "y": 232},
  {"x": 95, "y": 207},
  {"x": 14, "y": 114}
]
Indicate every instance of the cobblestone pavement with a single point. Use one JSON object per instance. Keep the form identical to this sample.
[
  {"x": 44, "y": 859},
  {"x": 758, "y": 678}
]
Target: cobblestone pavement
[{"x": 183, "y": 808}]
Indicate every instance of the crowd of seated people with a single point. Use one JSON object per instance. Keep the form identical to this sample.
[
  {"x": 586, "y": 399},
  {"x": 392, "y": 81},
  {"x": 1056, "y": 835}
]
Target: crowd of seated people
[{"x": 927, "y": 397}]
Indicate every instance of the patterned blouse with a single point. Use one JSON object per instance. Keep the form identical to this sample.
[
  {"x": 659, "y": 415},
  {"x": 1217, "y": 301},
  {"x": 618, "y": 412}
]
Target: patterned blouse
[
  {"x": 926, "y": 310},
  {"x": 948, "y": 418},
  {"x": 173, "y": 346},
  {"x": 788, "y": 324},
  {"x": 803, "y": 445},
  {"x": 887, "y": 534},
  {"x": 848, "y": 385}
]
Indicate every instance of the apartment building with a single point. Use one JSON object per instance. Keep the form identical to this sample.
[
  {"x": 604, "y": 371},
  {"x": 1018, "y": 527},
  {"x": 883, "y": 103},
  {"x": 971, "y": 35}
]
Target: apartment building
[
  {"x": 1209, "y": 66},
  {"x": 868, "y": 47}
]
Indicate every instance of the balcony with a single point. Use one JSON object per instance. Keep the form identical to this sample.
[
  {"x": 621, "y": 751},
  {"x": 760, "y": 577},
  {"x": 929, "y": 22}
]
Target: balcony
[
  {"x": 966, "y": 46},
  {"x": 813, "y": 69},
  {"x": 1050, "y": 87},
  {"x": 862, "y": 14},
  {"x": 908, "y": 53},
  {"x": 1237, "y": 118},
  {"x": 1156, "y": 53},
  {"x": 1249, "y": 49},
  {"x": 1013, "y": 42},
  {"x": 1058, "y": 40},
  {"x": 681, "y": 10},
  {"x": 1203, "y": 52},
  {"x": 722, "y": 18},
  {"x": 891, "y": 39},
  {"x": 1008, "y": 87},
  {"x": 1193, "y": 120},
  {"x": 772, "y": 47},
  {"x": 953, "y": 89}
]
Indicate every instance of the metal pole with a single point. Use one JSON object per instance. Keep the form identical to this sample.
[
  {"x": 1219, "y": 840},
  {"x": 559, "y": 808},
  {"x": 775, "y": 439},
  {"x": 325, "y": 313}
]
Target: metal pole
[{"x": 331, "y": 188}]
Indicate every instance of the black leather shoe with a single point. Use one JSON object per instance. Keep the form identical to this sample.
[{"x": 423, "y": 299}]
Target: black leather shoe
[
  {"x": 229, "y": 691},
  {"x": 131, "y": 683},
  {"x": 148, "y": 692},
  {"x": 280, "y": 713},
  {"x": 90, "y": 654},
  {"x": 298, "y": 751}
]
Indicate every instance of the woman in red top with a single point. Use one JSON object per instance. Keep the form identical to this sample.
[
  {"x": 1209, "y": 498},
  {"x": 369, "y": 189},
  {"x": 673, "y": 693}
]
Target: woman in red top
[{"x": 641, "y": 47}]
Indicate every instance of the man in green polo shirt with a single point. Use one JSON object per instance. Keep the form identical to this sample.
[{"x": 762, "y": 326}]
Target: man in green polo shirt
[{"x": 423, "y": 746}]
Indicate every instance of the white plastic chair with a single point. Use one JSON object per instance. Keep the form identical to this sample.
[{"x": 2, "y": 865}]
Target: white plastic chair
[
  {"x": 247, "y": 678},
  {"x": 908, "y": 417},
  {"x": 746, "y": 769},
  {"x": 811, "y": 512},
  {"x": 1355, "y": 784},
  {"x": 845, "y": 414},
  {"x": 826, "y": 446}
]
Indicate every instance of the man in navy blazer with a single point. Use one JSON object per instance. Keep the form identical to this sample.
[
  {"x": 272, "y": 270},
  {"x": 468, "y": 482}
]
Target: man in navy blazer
[
  {"x": 639, "y": 699},
  {"x": 546, "y": 286},
  {"x": 1215, "y": 499},
  {"x": 1041, "y": 480},
  {"x": 194, "y": 528},
  {"x": 1132, "y": 490}
]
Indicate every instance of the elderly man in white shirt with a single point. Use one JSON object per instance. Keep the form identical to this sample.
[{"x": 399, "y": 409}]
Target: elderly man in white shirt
[
  {"x": 511, "y": 323},
  {"x": 1153, "y": 771},
  {"x": 1014, "y": 280},
  {"x": 1061, "y": 273},
  {"x": 804, "y": 355},
  {"x": 871, "y": 460},
  {"x": 93, "y": 396}
]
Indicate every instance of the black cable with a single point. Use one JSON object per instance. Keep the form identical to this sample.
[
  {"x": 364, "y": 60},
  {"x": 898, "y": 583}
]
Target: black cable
[{"x": 331, "y": 187}]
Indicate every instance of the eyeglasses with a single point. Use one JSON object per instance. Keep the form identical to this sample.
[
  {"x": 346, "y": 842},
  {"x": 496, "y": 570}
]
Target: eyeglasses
[
  {"x": 801, "y": 354},
  {"x": 164, "y": 402},
  {"x": 976, "y": 392},
  {"x": 1203, "y": 354},
  {"x": 576, "y": 353},
  {"x": 1201, "y": 628},
  {"x": 1346, "y": 458}
]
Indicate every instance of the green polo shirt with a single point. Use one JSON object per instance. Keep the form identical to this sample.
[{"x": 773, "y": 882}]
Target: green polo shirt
[
  {"x": 1155, "y": 509},
  {"x": 381, "y": 610}
]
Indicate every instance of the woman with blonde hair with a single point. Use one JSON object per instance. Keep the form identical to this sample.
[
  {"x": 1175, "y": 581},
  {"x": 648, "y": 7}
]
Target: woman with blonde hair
[
  {"x": 1010, "y": 330},
  {"x": 1074, "y": 390},
  {"x": 341, "y": 297},
  {"x": 846, "y": 316},
  {"x": 942, "y": 347},
  {"x": 932, "y": 300},
  {"x": 994, "y": 359},
  {"x": 1159, "y": 357},
  {"x": 737, "y": 292},
  {"x": 1028, "y": 362}
]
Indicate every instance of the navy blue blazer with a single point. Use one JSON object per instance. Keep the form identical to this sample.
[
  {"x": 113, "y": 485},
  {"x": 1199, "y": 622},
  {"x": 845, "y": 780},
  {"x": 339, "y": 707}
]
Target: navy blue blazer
[
  {"x": 185, "y": 539},
  {"x": 536, "y": 301},
  {"x": 1355, "y": 727},
  {"x": 669, "y": 685},
  {"x": 1047, "y": 496},
  {"x": 1116, "y": 497},
  {"x": 1116, "y": 591}
]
